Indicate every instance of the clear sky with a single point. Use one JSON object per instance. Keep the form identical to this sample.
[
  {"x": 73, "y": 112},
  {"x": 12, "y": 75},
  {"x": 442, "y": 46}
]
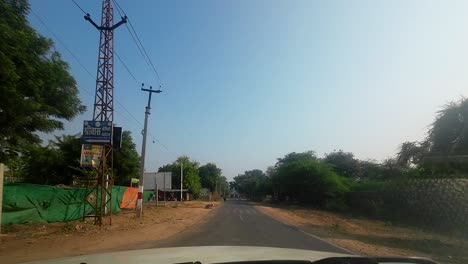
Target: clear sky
[{"x": 245, "y": 82}]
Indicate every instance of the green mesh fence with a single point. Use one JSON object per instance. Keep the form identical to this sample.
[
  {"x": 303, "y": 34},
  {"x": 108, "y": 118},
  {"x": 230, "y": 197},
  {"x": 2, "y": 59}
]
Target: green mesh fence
[{"x": 30, "y": 203}]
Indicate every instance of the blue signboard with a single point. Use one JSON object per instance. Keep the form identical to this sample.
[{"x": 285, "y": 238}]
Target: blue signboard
[{"x": 97, "y": 132}]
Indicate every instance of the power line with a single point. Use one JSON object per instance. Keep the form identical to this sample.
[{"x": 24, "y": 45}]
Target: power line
[
  {"x": 118, "y": 57},
  {"x": 60, "y": 41},
  {"x": 160, "y": 143},
  {"x": 141, "y": 124},
  {"x": 137, "y": 41},
  {"x": 79, "y": 7},
  {"x": 144, "y": 50},
  {"x": 128, "y": 70},
  {"x": 86, "y": 69},
  {"x": 138, "y": 46},
  {"x": 131, "y": 34},
  {"x": 119, "y": 9}
]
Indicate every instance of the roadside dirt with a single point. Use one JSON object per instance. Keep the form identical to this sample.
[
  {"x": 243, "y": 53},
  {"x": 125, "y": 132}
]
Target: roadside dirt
[
  {"x": 22, "y": 243},
  {"x": 370, "y": 237}
]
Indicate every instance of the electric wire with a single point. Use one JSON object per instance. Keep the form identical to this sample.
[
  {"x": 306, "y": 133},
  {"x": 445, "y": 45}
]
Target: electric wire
[
  {"x": 154, "y": 138},
  {"x": 137, "y": 41},
  {"x": 79, "y": 7}
]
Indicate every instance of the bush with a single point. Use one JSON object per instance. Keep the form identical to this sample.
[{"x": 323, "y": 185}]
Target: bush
[
  {"x": 372, "y": 185},
  {"x": 311, "y": 181}
]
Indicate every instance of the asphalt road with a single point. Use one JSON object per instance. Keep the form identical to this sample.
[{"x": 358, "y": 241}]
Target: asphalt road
[{"x": 237, "y": 223}]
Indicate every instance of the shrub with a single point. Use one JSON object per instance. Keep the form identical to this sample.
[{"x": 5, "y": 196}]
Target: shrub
[{"x": 312, "y": 181}]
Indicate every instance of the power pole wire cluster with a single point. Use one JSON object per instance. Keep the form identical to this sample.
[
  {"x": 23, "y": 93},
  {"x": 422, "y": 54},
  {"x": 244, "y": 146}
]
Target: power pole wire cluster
[
  {"x": 83, "y": 88},
  {"x": 103, "y": 111},
  {"x": 139, "y": 209}
]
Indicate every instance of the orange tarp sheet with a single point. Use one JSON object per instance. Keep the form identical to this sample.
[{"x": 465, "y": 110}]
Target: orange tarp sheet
[{"x": 129, "y": 198}]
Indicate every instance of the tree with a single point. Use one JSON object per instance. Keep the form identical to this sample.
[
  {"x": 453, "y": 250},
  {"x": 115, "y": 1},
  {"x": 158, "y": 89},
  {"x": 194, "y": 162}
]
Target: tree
[
  {"x": 41, "y": 166},
  {"x": 36, "y": 87},
  {"x": 16, "y": 167},
  {"x": 254, "y": 184},
  {"x": 126, "y": 161},
  {"x": 448, "y": 134},
  {"x": 304, "y": 178},
  {"x": 271, "y": 171},
  {"x": 370, "y": 170},
  {"x": 232, "y": 185},
  {"x": 390, "y": 168},
  {"x": 70, "y": 149},
  {"x": 56, "y": 163},
  {"x": 59, "y": 161},
  {"x": 445, "y": 148},
  {"x": 210, "y": 176},
  {"x": 343, "y": 163},
  {"x": 412, "y": 153},
  {"x": 279, "y": 180},
  {"x": 191, "y": 174},
  {"x": 293, "y": 156},
  {"x": 223, "y": 186}
]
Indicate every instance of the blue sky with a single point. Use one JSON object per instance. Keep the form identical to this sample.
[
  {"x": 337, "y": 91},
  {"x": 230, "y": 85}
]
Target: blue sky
[{"x": 245, "y": 82}]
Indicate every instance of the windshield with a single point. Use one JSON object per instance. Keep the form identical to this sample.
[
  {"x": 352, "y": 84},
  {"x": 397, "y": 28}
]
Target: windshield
[{"x": 244, "y": 130}]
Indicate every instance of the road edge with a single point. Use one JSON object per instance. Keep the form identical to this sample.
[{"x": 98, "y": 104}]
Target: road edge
[{"x": 305, "y": 232}]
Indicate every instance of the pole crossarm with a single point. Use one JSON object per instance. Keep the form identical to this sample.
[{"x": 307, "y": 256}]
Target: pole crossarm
[{"x": 90, "y": 20}]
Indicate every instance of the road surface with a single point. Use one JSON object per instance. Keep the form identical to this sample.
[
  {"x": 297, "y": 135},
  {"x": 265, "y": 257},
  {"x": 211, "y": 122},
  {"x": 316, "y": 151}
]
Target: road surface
[{"x": 237, "y": 223}]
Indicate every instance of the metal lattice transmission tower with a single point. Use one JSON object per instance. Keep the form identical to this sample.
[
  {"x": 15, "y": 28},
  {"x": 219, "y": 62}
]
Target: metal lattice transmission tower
[{"x": 100, "y": 186}]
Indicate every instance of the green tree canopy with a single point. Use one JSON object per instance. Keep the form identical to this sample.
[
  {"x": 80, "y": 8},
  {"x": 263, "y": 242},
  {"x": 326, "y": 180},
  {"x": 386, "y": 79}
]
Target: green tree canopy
[
  {"x": 445, "y": 148},
  {"x": 448, "y": 134},
  {"x": 59, "y": 161},
  {"x": 191, "y": 174},
  {"x": 370, "y": 170},
  {"x": 56, "y": 163},
  {"x": 344, "y": 163},
  {"x": 222, "y": 186},
  {"x": 126, "y": 161},
  {"x": 36, "y": 87},
  {"x": 210, "y": 176},
  {"x": 254, "y": 184},
  {"x": 302, "y": 177},
  {"x": 293, "y": 156},
  {"x": 412, "y": 153}
]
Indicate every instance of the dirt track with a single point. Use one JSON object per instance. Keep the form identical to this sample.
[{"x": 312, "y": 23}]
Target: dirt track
[{"x": 37, "y": 242}]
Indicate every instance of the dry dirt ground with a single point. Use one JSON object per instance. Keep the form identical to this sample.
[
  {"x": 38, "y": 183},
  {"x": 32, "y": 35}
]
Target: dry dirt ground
[
  {"x": 370, "y": 237},
  {"x": 21, "y": 243}
]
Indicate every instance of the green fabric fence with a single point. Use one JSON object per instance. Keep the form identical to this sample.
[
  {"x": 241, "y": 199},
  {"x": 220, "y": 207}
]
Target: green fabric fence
[{"x": 30, "y": 203}]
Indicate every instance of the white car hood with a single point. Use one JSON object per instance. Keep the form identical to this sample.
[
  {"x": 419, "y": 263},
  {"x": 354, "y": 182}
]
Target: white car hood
[{"x": 210, "y": 254}]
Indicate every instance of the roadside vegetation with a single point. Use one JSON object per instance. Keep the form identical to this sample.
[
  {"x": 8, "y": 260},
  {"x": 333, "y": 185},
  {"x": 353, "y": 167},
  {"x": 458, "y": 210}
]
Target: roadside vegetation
[
  {"x": 42, "y": 96},
  {"x": 200, "y": 180},
  {"x": 424, "y": 185},
  {"x": 371, "y": 237}
]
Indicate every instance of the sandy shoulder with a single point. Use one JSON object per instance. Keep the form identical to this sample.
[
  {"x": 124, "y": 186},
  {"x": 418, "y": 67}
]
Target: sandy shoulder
[
  {"x": 37, "y": 242},
  {"x": 370, "y": 237}
]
